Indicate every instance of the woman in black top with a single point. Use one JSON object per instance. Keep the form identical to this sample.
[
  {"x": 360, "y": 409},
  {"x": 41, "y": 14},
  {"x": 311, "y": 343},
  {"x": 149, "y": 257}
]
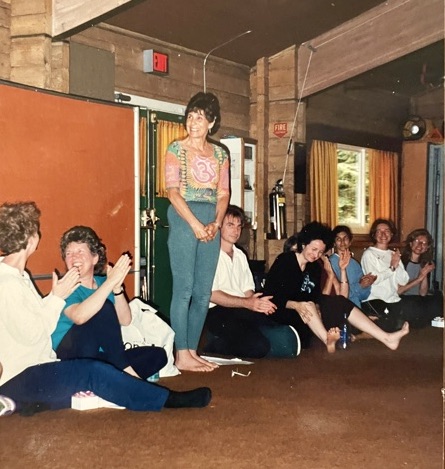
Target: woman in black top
[{"x": 294, "y": 281}]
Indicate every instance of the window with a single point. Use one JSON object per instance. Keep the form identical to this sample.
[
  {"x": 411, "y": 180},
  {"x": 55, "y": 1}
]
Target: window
[{"x": 353, "y": 187}]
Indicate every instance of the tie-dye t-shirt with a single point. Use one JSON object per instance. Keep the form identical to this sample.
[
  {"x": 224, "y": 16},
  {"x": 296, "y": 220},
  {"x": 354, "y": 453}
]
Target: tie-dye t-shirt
[{"x": 199, "y": 178}]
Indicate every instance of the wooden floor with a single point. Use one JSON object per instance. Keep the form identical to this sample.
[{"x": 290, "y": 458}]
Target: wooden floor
[{"x": 366, "y": 407}]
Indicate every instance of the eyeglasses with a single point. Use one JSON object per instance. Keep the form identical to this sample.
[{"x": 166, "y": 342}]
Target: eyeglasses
[{"x": 419, "y": 241}]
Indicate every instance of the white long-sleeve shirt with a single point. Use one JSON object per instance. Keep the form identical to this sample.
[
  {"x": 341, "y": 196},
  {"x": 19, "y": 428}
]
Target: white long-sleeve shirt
[
  {"x": 377, "y": 262},
  {"x": 233, "y": 275},
  {"x": 26, "y": 323}
]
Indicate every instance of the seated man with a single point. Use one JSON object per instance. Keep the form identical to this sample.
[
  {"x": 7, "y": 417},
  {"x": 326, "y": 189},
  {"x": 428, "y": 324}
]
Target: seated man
[{"x": 238, "y": 317}]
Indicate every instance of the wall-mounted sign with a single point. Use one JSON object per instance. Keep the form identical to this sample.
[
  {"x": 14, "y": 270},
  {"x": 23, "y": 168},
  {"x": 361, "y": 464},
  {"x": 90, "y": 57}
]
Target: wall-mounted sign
[
  {"x": 155, "y": 62},
  {"x": 280, "y": 129}
]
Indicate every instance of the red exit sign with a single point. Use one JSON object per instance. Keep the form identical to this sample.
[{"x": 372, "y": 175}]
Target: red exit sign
[{"x": 155, "y": 62}]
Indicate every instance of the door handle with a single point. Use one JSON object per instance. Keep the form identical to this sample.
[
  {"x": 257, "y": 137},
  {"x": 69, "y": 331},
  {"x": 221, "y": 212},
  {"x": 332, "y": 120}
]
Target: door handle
[{"x": 149, "y": 219}]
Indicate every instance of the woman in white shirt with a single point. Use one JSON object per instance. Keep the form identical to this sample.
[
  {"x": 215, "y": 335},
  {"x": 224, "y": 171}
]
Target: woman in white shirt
[
  {"x": 32, "y": 376},
  {"x": 384, "y": 303}
]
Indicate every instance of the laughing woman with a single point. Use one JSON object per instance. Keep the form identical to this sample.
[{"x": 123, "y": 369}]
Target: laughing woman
[
  {"x": 197, "y": 182},
  {"x": 294, "y": 282},
  {"x": 384, "y": 302},
  {"x": 90, "y": 324}
]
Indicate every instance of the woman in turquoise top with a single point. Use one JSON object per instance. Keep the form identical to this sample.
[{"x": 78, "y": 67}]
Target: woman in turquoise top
[
  {"x": 90, "y": 324},
  {"x": 197, "y": 182}
]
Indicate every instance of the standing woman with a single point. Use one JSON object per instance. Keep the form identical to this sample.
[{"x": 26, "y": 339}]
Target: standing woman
[
  {"x": 384, "y": 302},
  {"x": 197, "y": 182}
]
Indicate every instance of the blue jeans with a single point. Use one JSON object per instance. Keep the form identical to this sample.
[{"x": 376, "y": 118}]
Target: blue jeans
[
  {"x": 52, "y": 384},
  {"x": 101, "y": 338},
  {"x": 193, "y": 265}
]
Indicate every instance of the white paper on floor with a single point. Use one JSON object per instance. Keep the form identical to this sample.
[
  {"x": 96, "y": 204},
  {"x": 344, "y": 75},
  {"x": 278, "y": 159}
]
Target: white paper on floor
[{"x": 227, "y": 361}]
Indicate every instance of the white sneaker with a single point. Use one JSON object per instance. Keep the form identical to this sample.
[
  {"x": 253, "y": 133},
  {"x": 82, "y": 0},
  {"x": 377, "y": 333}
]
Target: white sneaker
[{"x": 7, "y": 406}]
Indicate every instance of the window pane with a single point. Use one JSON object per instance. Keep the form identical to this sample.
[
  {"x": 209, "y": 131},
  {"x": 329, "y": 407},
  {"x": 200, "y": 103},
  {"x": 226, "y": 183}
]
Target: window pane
[{"x": 353, "y": 188}]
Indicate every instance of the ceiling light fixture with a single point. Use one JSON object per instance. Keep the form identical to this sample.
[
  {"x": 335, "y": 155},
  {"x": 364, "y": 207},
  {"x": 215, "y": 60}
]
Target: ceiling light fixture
[{"x": 414, "y": 128}]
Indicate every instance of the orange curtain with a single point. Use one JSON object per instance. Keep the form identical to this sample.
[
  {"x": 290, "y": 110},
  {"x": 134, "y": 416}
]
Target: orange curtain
[
  {"x": 323, "y": 182},
  {"x": 383, "y": 184},
  {"x": 167, "y": 132}
]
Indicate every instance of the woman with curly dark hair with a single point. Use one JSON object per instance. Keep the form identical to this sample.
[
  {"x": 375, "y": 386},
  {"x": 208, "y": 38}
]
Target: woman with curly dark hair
[
  {"x": 90, "y": 324},
  {"x": 294, "y": 282}
]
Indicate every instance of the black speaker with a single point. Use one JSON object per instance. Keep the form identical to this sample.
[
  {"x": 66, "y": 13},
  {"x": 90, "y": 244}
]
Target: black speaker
[{"x": 300, "y": 168}]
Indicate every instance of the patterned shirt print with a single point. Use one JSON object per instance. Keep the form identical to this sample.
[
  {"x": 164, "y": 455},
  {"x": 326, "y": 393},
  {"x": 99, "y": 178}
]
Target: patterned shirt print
[{"x": 199, "y": 178}]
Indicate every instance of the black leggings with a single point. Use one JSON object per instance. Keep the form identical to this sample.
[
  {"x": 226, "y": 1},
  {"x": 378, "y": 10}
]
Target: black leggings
[
  {"x": 101, "y": 338},
  {"x": 420, "y": 310},
  {"x": 237, "y": 331},
  {"x": 389, "y": 315}
]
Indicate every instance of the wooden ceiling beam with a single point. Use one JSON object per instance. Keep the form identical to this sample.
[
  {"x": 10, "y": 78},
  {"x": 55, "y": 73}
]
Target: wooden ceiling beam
[
  {"x": 70, "y": 16},
  {"x": 384, "y": 33}
]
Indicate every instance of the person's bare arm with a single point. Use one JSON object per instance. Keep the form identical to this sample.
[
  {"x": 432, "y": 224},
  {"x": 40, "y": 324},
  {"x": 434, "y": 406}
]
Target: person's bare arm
[
  {"x": 253, "y": 301},
  {"x": 421, "y": 280},
  {"x": 184, "y": 212},
  {"x": 80, "y": 313},
  {"x": 344, "y": 258}
]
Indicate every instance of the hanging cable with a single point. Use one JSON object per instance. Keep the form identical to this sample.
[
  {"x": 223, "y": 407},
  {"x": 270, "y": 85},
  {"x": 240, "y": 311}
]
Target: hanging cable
[
  {"x": 289, "y": 146},
  {"x": 213, "y": 50}
]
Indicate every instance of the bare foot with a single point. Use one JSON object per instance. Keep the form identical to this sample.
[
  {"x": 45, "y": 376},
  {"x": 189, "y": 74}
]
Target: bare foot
[
  {"x": 186, "y": 362},
  {"x": 332, "y": 337},
  {"x": 195, "y": 355},
  {"x": 393, "y": 339}
]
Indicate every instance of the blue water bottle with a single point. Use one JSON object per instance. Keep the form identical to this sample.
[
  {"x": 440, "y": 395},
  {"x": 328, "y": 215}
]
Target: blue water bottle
[{"x": 344, "y": 334}]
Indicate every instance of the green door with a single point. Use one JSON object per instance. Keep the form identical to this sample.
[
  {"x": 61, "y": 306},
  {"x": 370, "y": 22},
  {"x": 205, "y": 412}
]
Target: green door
[{"x": 162, "y": 129}]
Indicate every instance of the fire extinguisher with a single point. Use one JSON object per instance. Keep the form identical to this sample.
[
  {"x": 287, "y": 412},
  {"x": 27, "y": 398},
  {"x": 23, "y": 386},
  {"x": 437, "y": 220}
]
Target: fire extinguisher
[{"x": 277, "y": 212}]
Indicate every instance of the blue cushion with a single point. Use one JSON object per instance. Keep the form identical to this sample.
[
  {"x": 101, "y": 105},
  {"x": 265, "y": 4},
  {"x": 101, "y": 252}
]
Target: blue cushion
[{"x": 284, "y": 341}]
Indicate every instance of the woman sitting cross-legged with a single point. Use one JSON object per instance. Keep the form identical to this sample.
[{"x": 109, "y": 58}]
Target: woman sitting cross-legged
[
  {"x": 294, "y": 282},
  {"x": 32, "y": 375},
  {"x": 89, "y": 326}
]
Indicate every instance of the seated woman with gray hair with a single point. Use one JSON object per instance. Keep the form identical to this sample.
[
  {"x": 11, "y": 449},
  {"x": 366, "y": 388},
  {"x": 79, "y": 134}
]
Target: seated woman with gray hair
[
  {"x": 295, "y": 283},
  {"x": 32, "y": 376}
]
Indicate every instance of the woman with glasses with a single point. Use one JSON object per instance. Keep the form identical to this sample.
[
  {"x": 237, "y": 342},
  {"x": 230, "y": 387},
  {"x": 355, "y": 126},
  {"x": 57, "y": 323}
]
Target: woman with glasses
[
  {"x": 384, "y": 302},
  {"x": 295, "y": 283},
  {"x": 419, "y": 307}
]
